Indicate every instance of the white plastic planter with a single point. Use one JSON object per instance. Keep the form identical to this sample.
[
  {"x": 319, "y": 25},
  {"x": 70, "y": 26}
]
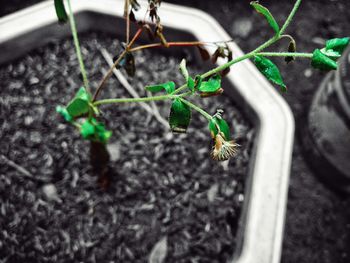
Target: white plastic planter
[{"x": 261, "y": 226}]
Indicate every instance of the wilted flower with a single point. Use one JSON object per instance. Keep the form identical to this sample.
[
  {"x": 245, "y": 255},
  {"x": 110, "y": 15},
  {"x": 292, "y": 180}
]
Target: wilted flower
[{"x": 223, "y": 150}]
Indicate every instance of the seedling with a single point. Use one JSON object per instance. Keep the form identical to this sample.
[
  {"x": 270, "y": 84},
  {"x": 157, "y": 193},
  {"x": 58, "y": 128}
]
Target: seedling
[{"x": 83, "y": 110}]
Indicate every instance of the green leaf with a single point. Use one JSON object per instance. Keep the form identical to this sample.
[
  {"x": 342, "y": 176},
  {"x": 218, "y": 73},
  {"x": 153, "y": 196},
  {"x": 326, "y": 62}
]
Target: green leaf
[
  {"x": 330, "y": 53},
  {"x": 61, "y": 11},
  {"x": 190, "y": 83},
  {"x": 87, "y": 129},
  {"x": 92, "y": 130},
  {"x": 211, "y": 86},
  {"x": 64, "y": 113},
  {"x": 183, "y": 69},
  {"x": 337, "y": 44},
  {"x": 217, "y": 123},
  {"x": 102, "y": 134},
  {"x": 270, "y": 71},
  {"x": 80, "y": 104},
  {"x": 266, "y": 13},
  {"x": 180, "y": 116},
  {"x": 169, "y": 87},
  {"x": 321, "y": 61},
  {"x": 197, "y": 82}
]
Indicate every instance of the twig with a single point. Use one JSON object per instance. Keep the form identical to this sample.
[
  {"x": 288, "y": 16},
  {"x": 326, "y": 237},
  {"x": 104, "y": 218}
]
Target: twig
[
  {"x": 154, "y": 111},
  {"x": 21, "y": 169}
]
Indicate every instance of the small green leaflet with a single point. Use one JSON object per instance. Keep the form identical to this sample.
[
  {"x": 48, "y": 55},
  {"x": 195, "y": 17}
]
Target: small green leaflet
[
  {"x": 183, "y": 69},
  {"x": 331, "y": 53},
  {"x": 211, "y": 86},
  {"x": 64, "y": 113},
  {"x": 169, "y": 87},
  {"x": 184, "y": 72},
  {"x": 180, "y": 116},
  {"x": 80, "y": 104},
  {"x": 61, "y": 11},
  {"x": 270, "y": 71},
  {"x": 321, "y": 61},
  {"x": 87, "y": 130},
  {"x": 337, "y": 44},
  {"x": 216, "y": 124},
  {"x": 92, "y": 130},
  {"x": 266, "y": 13}
]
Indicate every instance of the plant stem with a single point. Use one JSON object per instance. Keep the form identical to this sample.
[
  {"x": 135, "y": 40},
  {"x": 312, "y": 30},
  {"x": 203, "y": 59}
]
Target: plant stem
[
  {"x": 77, "y": 45},
  {"x": 107, "y": 76},
  {"x": 196, "y": 108},
  {"x": 110, "y": 71},
  {"x": 142, "y": 99},
  {"x": 170, "y": 44},
  {"x": 290, "y": 17},
  {"x": 284, "y": 54},
  {"x": 126, "y": 15}
]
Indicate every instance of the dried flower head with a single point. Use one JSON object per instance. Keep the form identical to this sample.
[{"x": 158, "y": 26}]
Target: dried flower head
[{"x": 223, "y": 150}]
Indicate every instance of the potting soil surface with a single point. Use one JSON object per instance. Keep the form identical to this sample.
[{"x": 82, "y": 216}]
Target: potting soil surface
[{"x": 166, "y": 191}]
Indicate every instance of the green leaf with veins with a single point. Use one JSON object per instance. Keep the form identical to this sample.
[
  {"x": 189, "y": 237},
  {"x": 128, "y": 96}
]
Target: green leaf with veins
[
  {"x": 80, "y": 104},
  {"x": 270, "y": 71},
  {"x": 180, "y": 116},
  {"x": 267, "y": 14},
  {"x": 321, "y": 61},
  {"x": 337, "y": 44},
  {"x": 211, "y": 86},
  {"x": 169, "y": 87}
]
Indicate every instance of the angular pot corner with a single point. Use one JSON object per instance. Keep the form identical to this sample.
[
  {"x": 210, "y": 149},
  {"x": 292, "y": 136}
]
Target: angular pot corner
[{"x": 262, "y": 221}]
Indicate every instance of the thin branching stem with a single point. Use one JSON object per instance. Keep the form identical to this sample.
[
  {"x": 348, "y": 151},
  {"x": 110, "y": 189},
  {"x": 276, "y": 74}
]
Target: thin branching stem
[
  {"x": 126, "y": 15},
  {"x": 284, "y": 54},
  {"x": 196, "y": 108},
  {"x": 77, "y": 45},
  {"x": 141, "y": 99},
  {"x": 110, "y": 71},
  {"x": 290, "y": 17}
]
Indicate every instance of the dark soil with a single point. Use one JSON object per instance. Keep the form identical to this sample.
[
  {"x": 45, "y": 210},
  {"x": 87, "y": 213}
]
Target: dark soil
[{"x": 163, "y": 185}]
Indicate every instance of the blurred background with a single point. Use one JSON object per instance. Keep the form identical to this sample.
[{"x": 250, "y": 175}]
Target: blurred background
[{"x": 318, "y": 219}]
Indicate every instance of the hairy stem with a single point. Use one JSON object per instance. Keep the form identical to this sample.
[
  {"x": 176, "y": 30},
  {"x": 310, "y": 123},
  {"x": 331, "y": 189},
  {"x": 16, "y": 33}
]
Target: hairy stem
[
  {"x": 290, "y": 17},
  {"x": 196, "y": 108},
  {"x": 142, "y": 99},
  {"x": 77, "y": 45},
  {"x": 284, "y": 54}
]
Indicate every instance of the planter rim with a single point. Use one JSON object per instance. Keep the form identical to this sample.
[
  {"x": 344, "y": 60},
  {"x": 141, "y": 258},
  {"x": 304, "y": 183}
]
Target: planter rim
[{"x": 266, "y": 207}]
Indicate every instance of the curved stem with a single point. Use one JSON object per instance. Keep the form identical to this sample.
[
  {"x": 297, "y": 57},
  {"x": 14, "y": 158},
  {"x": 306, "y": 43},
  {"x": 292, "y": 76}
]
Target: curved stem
[
  {"x": 110, "y": 71},
  {"x": 196, "y": 108},
  {"x": 107, "y": 76},
  {"x": 77, "y": 45}
]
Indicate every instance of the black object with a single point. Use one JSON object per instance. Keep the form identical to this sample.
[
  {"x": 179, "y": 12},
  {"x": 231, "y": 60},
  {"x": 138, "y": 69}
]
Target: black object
[{"x": 326, "y": 136}]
